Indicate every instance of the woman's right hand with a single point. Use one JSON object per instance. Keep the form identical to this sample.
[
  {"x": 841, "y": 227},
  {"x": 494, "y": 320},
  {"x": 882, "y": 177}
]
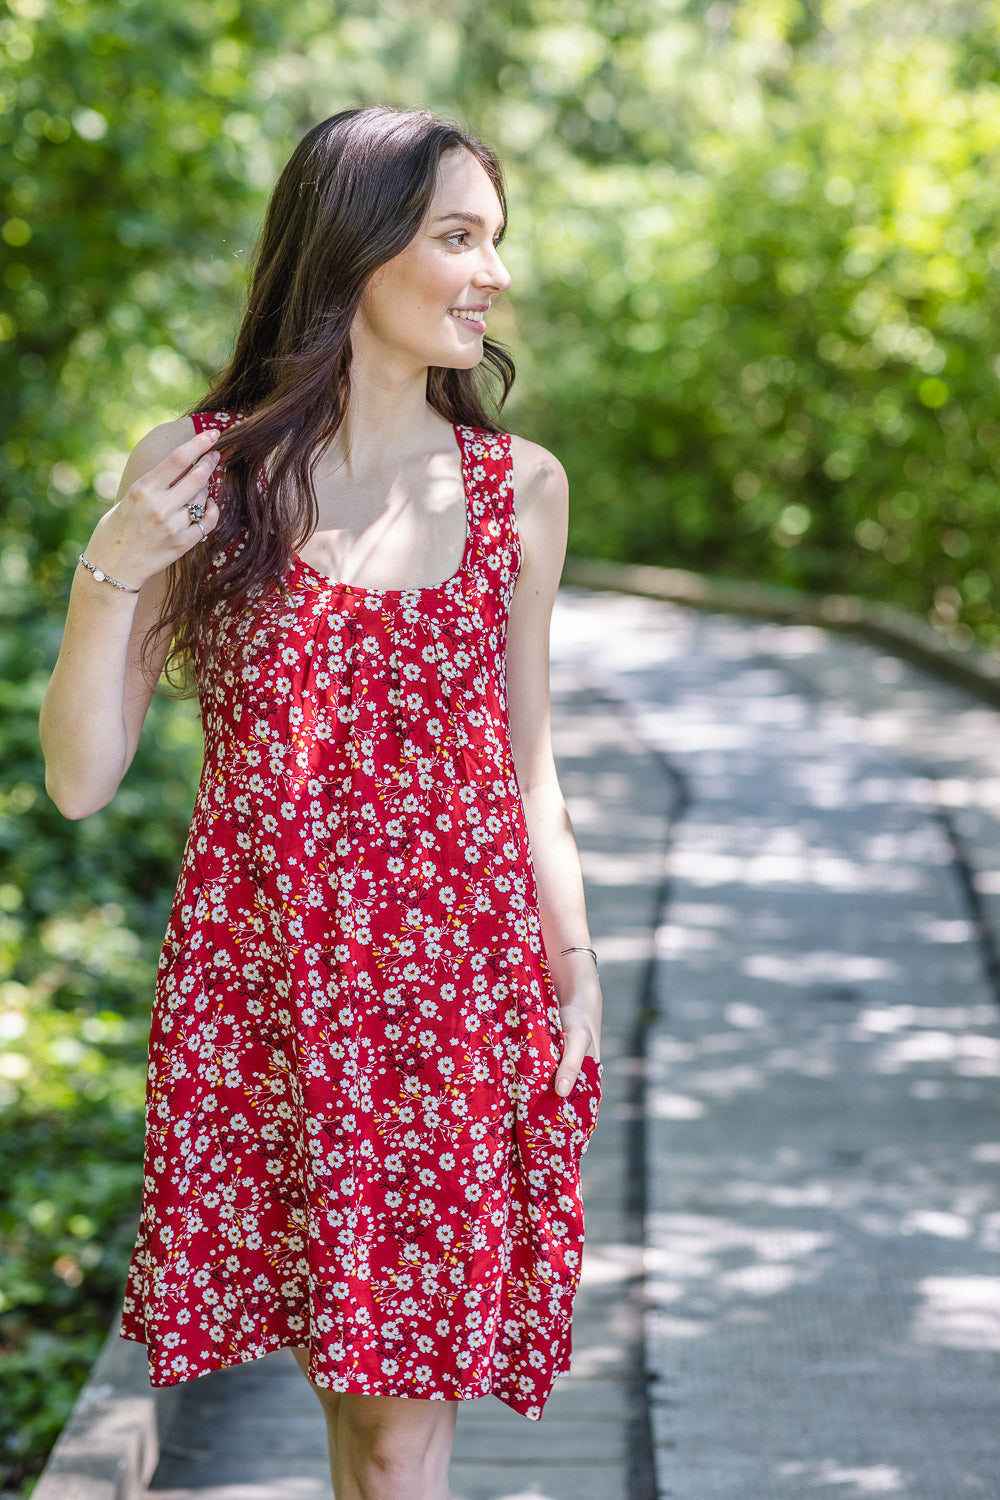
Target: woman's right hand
[{"x": 150, "y": 527}]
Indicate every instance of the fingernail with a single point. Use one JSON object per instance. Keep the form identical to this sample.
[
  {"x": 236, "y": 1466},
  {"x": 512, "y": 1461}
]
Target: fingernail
[{"x": 563, "y": 1085}]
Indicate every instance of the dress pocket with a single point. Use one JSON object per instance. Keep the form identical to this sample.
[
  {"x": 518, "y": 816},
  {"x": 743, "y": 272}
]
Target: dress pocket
[
  {"x": 586, "y": 1098},
  {"x": 552, "y": 1135}
]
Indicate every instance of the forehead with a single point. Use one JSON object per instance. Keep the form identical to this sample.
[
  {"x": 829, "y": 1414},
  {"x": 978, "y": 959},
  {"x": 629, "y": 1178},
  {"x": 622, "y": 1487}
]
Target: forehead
[{"x": 464, "y": 182}]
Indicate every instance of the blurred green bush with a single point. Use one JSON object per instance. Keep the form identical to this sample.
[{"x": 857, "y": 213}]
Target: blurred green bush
[
  {"x": 771, "y": 345},
  {"x": 755, "y": 258}
]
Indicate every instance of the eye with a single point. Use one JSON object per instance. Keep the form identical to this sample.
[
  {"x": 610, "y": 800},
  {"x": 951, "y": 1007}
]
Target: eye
[{"x": 463, "y": 234}]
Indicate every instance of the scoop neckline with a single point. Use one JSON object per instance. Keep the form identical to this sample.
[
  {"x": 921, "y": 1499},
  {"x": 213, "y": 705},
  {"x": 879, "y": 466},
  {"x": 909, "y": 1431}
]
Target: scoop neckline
[{"x": 299, "y": 561}]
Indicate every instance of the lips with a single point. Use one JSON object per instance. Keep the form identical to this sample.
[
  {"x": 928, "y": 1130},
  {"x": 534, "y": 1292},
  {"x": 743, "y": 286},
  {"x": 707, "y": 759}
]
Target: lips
[{"x": 470, "y": 317}]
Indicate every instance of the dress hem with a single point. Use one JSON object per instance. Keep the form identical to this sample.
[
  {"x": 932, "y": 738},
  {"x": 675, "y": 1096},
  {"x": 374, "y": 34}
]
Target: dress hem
[{"x": 516, "y": 1404}]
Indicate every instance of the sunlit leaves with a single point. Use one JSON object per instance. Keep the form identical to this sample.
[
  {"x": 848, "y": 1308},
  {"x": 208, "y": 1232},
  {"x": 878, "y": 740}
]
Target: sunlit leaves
[{"x": 830, "y": 212}]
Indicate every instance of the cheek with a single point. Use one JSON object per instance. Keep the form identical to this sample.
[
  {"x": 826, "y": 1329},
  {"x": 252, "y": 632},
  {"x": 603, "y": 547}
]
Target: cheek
[
  {"x": 423, "y": 287},
  {"x": 440, "y": 283}
]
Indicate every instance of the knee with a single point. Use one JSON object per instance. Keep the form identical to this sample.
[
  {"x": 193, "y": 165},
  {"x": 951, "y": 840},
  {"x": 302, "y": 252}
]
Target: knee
[
  {"x": 394, "y": 1441},
  {"x": 379, "y": 1463},
  {"x": 377, "y": 1441}
]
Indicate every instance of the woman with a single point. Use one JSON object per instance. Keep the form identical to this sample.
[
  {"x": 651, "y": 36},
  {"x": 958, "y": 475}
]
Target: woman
[{"x": 373, "y": 1059}]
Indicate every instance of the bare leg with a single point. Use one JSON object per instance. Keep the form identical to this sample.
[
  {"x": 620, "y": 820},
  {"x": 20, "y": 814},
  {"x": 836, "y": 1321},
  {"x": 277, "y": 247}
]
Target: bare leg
[
  {"x": 330, "y": 1402},
  {"x": 393, "y": 1449},
  {"x": 384, "y": 1447}
]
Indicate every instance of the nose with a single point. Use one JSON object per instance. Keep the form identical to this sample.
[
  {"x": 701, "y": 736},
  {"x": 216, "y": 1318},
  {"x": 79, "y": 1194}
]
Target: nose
[{"x": 494, "y": 273}]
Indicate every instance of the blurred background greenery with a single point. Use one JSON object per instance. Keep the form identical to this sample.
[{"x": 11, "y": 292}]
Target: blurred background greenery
[{"x": 755, "y": 253}]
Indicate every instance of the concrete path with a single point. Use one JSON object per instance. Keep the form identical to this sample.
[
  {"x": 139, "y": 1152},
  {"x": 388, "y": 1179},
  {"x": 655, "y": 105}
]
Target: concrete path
[
  {"x": 823, "y": 1139},
  {"x": 792, "y": 851}
]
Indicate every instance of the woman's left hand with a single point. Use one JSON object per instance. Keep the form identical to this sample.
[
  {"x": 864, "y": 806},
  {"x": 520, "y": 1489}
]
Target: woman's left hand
[{"x": 578, "y": 1041}]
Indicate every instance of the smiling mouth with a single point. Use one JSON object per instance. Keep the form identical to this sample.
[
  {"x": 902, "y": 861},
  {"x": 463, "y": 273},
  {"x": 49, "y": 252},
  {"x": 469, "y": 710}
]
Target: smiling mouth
[{"x": 468, "y": 314}]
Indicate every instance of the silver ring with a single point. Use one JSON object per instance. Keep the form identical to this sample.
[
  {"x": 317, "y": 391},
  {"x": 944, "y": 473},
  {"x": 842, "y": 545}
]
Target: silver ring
[
  {"x": 196, "y": 512},
  {"x": 204, "y": 533}
]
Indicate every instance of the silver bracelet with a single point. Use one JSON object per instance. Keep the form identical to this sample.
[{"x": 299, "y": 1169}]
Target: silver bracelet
[
  {"x": 582, "y": 950},
  {"x": 101, "y": 577}
]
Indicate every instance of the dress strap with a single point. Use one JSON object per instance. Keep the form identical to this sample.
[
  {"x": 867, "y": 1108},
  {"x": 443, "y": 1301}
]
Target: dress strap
[
  {"x": 222, "y": 419},
  {"x": 489, "y": 464}
]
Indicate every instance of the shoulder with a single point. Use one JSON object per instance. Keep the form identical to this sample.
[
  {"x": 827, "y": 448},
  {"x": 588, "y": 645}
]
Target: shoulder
[
  {"x": 160, "y": 441},
  {"x": 167, "y": 435},
  {"x": 155, "y": 446},
  {"x": 541, "y": 486},
  {"x": 541, "y": 513}
]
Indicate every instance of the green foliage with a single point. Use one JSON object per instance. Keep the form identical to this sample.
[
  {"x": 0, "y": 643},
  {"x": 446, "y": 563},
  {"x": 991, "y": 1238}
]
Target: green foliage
[
  {"x": 80, "y": 906},
  {"x": 762, "y": 325},
  {"x": 755, "y": 266}
]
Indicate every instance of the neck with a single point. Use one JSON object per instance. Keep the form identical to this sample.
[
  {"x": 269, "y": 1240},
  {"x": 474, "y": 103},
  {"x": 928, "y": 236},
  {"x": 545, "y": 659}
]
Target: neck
[{"x": 387, "y": 415}]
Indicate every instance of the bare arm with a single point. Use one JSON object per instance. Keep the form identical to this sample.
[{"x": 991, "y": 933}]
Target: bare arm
[
  {"x": 542, "y": 496},
  {"x": 99, "y": 693}
]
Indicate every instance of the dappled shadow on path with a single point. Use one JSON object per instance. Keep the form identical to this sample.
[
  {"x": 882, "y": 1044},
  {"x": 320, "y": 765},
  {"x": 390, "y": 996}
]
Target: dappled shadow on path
[{"x": 823, "y": 1216}]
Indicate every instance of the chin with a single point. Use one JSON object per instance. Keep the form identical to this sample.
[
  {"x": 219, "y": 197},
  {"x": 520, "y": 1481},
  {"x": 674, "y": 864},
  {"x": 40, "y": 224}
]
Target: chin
[
  {"x": 460, "y": 361},
  {"x": 461, "y": 356},
  {"x": 469, "y": 358}
]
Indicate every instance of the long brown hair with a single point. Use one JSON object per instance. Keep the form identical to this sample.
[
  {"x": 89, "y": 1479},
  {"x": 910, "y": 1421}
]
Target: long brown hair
[{"x": 352, "y": 196}]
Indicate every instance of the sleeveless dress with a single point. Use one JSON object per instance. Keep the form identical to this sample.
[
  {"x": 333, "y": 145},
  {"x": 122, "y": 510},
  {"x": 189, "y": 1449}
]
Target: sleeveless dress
[{"x": 353, "y": 1142}]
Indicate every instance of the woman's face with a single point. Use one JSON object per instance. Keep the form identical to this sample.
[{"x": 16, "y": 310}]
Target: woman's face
[{"x": 410, "y": 309}]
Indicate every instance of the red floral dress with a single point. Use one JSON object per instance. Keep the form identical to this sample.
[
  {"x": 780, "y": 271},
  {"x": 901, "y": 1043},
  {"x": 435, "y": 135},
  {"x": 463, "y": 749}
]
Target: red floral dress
[{"x": 353, "y": 1142}]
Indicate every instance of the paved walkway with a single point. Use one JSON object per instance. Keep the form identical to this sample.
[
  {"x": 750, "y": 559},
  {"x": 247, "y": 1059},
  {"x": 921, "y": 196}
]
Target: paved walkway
[
  {"x": 823, "y": 1135},
  {"x": 774, "y": 823}
]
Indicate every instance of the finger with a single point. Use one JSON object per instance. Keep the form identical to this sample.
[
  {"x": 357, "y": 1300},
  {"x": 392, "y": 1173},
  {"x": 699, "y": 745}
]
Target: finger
[
  {"x": 190, "y": 486},
  {"x": 153, "y": 491},
  {"x": 196, "y": 533},
  {"x": 212, "y": 515},
  {"x": 182, "y": 521},
  {"x": 574, "y": 1051},
  {"x": 190, "y": 531},
  {"x": 176, "y": 464}
]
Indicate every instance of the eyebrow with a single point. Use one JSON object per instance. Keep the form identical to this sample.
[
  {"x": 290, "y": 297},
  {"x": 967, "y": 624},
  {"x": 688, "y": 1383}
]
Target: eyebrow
[{"x": 469, "y": 218}]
